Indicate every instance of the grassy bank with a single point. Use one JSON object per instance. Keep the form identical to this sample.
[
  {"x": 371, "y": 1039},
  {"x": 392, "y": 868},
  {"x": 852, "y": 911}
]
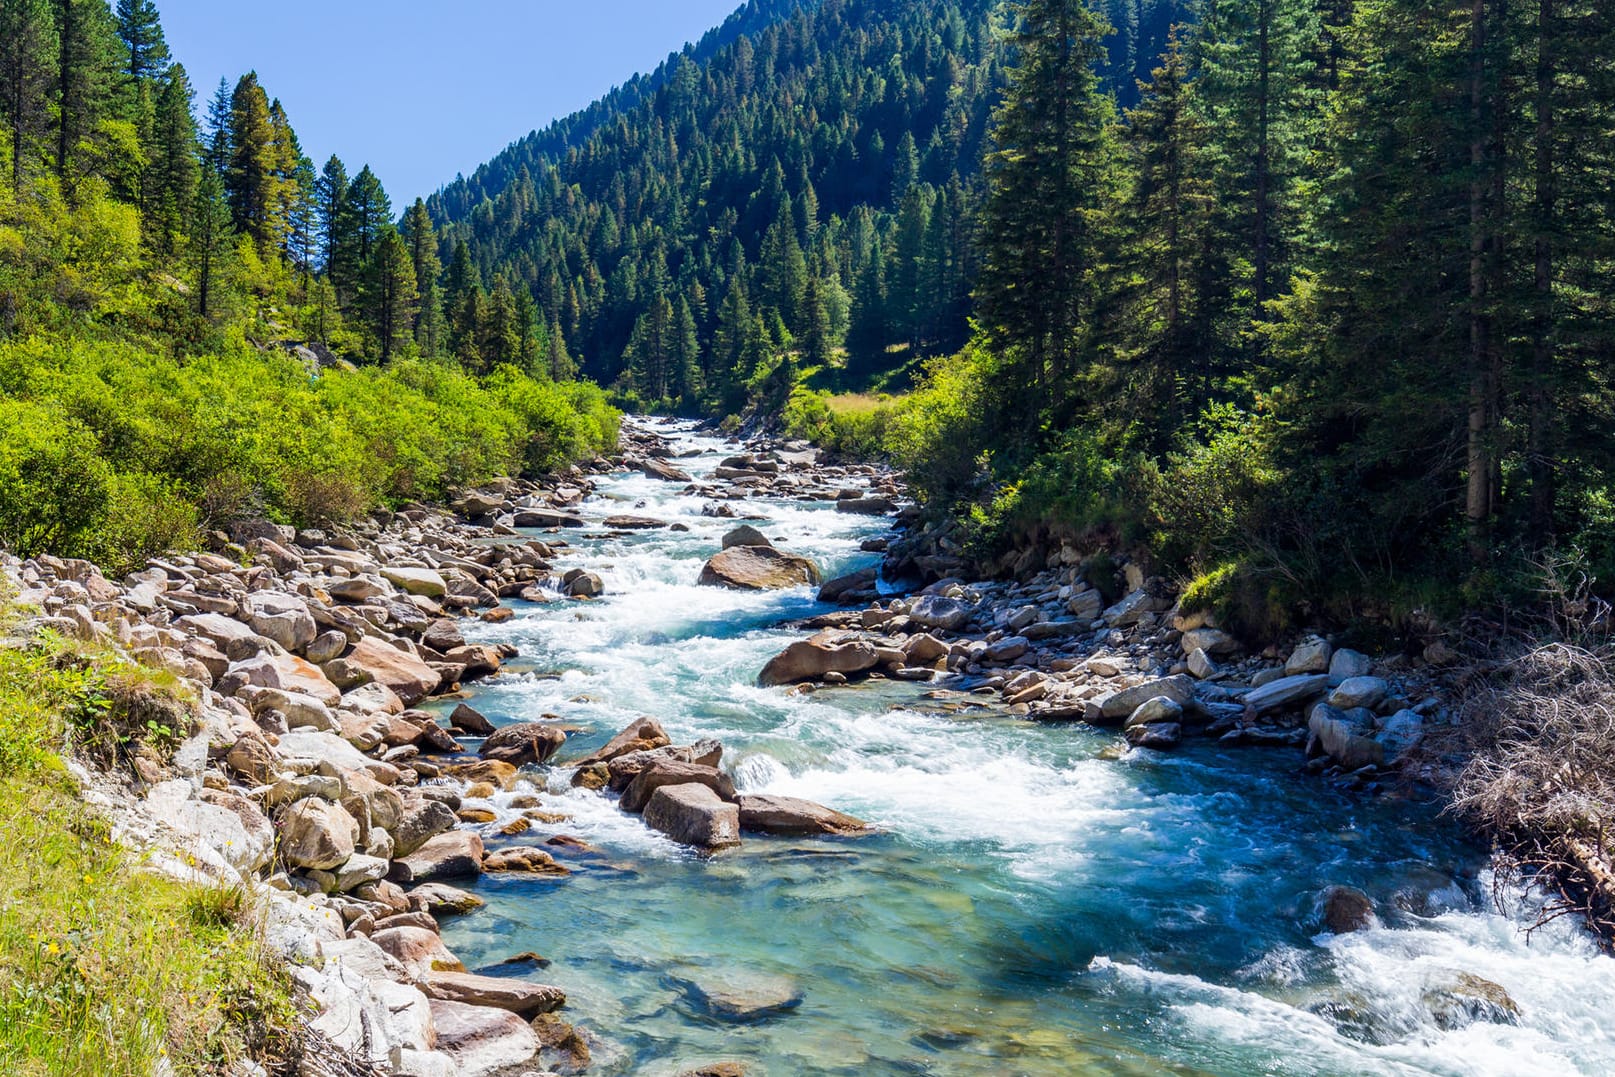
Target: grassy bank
[{"x": 104, "y": 968}]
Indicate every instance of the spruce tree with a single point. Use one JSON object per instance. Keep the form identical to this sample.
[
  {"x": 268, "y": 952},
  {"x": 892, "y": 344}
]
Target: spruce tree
[
  {"x": 330, "y": 196},
  {"x": 422, "y": 239},
  {"x": 253, "y": 181},
  {"x": 211, "y": 239},
  {"x": 84, "y": 65},
  {"x": 1046, "y": 173},
  {"x": 141, "y": 29},
  {"x": 27, "y": 73},
  {"x": 390, "y": 292},
  {"x": 174, "y": 169}
]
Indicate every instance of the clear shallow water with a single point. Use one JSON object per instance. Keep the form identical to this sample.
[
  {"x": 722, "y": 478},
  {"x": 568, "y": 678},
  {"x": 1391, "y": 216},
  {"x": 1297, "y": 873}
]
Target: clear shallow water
[{"x": 1029, "y": 908}]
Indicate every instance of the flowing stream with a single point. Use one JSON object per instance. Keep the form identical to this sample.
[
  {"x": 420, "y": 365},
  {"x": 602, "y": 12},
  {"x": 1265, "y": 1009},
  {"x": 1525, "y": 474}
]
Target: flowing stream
[{"x": 1029, "y": 907}]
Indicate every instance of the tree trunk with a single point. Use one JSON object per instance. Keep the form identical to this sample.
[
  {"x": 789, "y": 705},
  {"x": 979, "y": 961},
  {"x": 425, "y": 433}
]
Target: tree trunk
[
  {"x": 1478, "y": 501},
  {"x": 1539, "y": 448}
]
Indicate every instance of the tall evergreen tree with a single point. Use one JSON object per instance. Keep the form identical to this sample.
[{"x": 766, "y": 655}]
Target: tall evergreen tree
[
  {"x": 1046, "y": 172},
  {"x": 27, "y": 72},
  {"x": 211, "y": 239},
  {"x": 330, "y": 196},
  {"x": 391, "y": 292},
  {"x": 422, "y": 239},
  {"x": 174, "y": 169},
  {"x": 141, "y": 29},
  {"x": 253, "y": 180},
  {"x": 84, "y": 66}
]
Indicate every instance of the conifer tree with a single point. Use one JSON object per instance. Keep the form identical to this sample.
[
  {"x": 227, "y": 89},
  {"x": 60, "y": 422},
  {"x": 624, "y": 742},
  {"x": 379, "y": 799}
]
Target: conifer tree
[
  {"x": 141, "y": 29},
  {"x": 27, "y": 73},
  {"x": 782, "y": 268},
  {"x": 330, "y": 196},
  {"x": 391, "y": 291},
  {"x": 1046, "y": 172},
  {"x": 84, "y": 65},
  {"x": 219, "y": 118},
  {"x": 211, "y": 241},
  {"x": 500, "y": 329},
  {"x": 174, "y": 169},
  {"x": 561, "y": 366},
  {"x": 422, "y": 238},
  {"x": 253, "y": 181}
]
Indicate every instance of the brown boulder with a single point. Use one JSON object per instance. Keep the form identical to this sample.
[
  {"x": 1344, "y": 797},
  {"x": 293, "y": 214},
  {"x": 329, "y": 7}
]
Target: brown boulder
[
  {"x": 796, "y": 818},
  {"x": 452, "y": 855},
  {"x": 373, "y": 660},
  {"x": 759, "y": 568},
  {"x": 811, "y": 659},
  {"x": 523, "y": 859},
  {"x": 642, "y": 735},
  {"x": 525, "y": 742},
  {"x": 664, "y": 772},
  {"x": 694, "y": 815},
  {"x": 515, "y": 996},
  {"x": 482, "y": 1040}
]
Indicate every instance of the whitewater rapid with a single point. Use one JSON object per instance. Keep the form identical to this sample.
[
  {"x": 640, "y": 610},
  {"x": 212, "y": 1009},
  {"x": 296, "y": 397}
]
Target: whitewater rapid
[{"x": 1028, "y": 908}]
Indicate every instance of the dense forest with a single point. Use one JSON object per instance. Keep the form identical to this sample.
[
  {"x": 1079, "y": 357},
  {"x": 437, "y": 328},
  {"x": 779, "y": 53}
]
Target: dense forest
[
  {"x": 198, "y": 325},
  {"x": 803, "y": 181},
  {"x": 1310, "y": 298}
]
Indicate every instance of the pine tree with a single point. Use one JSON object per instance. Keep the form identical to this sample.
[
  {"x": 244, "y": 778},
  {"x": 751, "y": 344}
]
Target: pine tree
[
  {"x": 1047, "y": 171},
  {"x": 141, "y": 29},
  {"x": 211, "y": 241},
  {"x": 870, "y": 329},
  {"x": 174, "y": 169},
  {"x": 84, "y": 65},
  {"x": 391, "y": 292},
  {"x": 500, "y": 331},
  {"x": 817, "y": 345},
  {"x": 330, "y": 196},
  {"x": 782, "y": 268},
  {"x": 561, "y": 366},
  {"x": 27, "y": 72},
  {"x": 220, "y": 116},
  {"x": 685, "y": 361},
  {"x": 422, "y": 240},
  {"x": 368, "y": 210},
  {"x": 288, "y": 209},
  {"x": 252, "y": 181}
]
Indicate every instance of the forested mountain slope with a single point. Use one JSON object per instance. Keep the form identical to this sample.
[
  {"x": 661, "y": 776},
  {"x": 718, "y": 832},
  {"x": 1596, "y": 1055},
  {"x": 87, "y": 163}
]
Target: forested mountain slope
[{"x": 805, "y": 177}]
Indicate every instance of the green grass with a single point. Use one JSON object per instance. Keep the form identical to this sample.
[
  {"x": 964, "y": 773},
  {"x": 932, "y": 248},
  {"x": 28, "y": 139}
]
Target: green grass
[{"x": 104, "y": 967}]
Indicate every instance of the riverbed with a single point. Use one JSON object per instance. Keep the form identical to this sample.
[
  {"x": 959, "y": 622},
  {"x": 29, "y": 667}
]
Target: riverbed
[{"x": 1028, "y": 906}]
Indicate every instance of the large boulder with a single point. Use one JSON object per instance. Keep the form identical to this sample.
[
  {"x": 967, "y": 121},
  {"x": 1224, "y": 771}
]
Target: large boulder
[
  {"x": 1344, "y": 909},
  {"x": 657, "y": 469},
  {"x": 759, "y": 568},
  {"x": 1312, "y": 655},
  {"x": 1119, "y": 706},
  {"x": 419, "y": 950},
  {"x": 1286, "y": 692},
  {"x": 481, "y": 1040},
  {"x": 523, "y": 743},
  {"x": 1345, "y": 738},
  {"x": 317, "y": 834},
  {"x": 664, "y": 772},
  {"x": 289, "y": 674},
  {"x": 811, "y": 659},
  {"x": 1359, "y": 692},
  {"x": 1214, "y": 641},
  {"x": 456, "y": 854},
  {"x": 502, "y": 993},
  {"x": 417, "y": 581},
  {"x": 694, "y": 815},
  {"x": 853, "y": 588},
  {"x": 642, "y": 735},
  {"x": 940, "y": 614},
  {"x": 373, "y": 660},
  {"x": 745, "y": 535},
  {"x": 282, "y": 618},
  {"x": 421, "y": 821},
  {"x": 793, "y": 817},
  {"x": 739, "y": 995}
]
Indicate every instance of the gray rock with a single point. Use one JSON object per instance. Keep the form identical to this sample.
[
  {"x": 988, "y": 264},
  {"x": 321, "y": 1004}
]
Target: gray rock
[
  {"x": 1400, "y": 732},
  {"x": 1359, "y": 692},
  {"x": 1201, "y": 665},
  {"x": 1285, "y": 692},
  {"x": 1214, "y": 641},
  {"x": 759, "y": 568},
  {"x": 938, "y": 613},
  {"x": 1154, "y": 710},
  {"x": 1117, "y": 707},
  {"x": 1158, "y": 735},
  {"x": 1347, "y": 664},
  {"x": 797, "y": 818},
  {"x": 1344, "y": 738},
  {"x": 745, "y": 535},
  {"x": 317, "y": 834},
  {"x": 1311, "y": 656}
]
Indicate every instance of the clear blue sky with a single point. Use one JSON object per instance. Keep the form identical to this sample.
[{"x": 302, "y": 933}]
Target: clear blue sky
[{"x": 420, "y": 90}]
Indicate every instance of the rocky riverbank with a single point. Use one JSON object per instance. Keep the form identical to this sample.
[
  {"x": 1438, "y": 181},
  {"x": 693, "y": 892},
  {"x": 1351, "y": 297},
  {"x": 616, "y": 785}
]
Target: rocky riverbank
[{"x": 313, "y": 777}]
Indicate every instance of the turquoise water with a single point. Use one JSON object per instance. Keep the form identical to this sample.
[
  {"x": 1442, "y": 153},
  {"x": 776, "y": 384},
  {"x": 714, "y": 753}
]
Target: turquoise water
[{"x": 1028, "y": 907}]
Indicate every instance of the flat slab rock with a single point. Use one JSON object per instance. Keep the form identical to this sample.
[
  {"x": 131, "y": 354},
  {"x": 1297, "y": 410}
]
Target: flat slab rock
[
  {"x": 694, "y": 815},
  {"x": 793, "y": 817},
  {"x": 738, "y": 996},
  {"x": 499, "y": 992}
]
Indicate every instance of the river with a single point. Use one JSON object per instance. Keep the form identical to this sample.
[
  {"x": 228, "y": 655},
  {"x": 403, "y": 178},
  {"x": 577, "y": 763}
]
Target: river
[{"x": 1029, "y": 906}]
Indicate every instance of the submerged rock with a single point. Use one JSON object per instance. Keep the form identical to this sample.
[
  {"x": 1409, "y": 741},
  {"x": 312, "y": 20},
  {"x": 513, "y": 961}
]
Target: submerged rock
[
  {"x": 1464, "y": 999},
  {"x": 1344, "y": 909},
  {"x": 739, "y": 996}
]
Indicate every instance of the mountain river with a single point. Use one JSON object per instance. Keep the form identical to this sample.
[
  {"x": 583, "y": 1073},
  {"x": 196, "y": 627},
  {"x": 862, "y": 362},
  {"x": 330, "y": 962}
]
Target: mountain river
[{"x": 1028, "y": 907}]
